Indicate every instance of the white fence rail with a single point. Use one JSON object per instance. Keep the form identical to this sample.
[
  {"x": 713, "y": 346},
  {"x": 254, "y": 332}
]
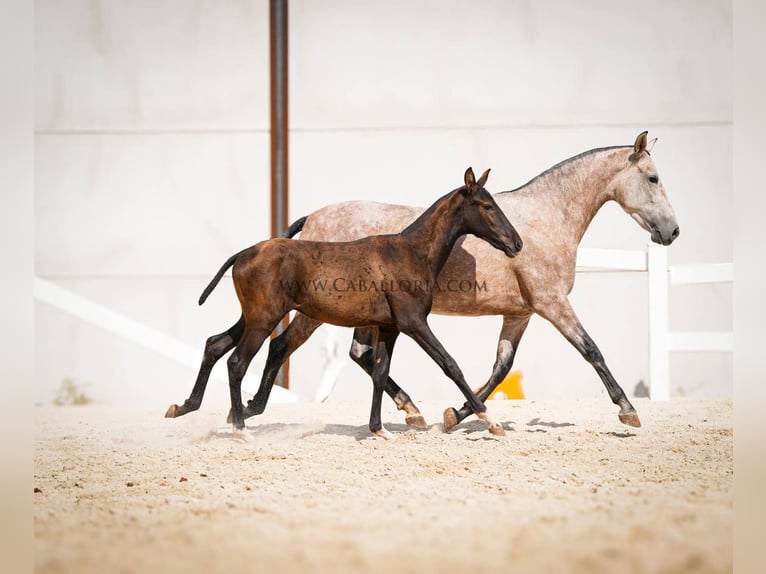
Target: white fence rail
[
  {"x": 129, "y": 329},
  {"x": 661, "y": 277}
]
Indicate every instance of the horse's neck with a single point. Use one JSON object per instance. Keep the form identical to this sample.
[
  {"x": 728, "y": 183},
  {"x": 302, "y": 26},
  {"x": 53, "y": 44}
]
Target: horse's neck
[
  {"x": 572, "y": 193},
  {"x": 433, "y": 235}
]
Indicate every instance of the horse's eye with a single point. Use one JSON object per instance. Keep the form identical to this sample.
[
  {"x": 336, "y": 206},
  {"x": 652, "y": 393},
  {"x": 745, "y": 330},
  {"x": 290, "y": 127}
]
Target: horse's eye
[
  {"x": 653, "y": 179},
  {"x": 488, "y": 207}
]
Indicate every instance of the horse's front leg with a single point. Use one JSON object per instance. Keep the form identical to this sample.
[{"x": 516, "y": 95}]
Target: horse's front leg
[
  {"x": 510, "y": 335},
  {"x": 565, "y": 320},
  {"x": 361, "y": 353},
  {"x": 419, "y": 330}
]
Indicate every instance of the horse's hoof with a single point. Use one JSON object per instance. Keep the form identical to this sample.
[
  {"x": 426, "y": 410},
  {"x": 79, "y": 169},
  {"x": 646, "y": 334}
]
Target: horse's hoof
[
  {"x": 383, "y": 433},
  {"x": 416, "y": 421},
  {"x": 228, "y": 418},
  {"x": 497, "y": 429},
  {"x": 629, "y": 418},
  {"x": 172, "y": 412},
  {"x": 450, "y": 419}
]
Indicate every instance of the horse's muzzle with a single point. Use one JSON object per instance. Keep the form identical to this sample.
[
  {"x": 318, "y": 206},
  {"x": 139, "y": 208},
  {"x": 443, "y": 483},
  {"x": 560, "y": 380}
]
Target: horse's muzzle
[{"x": 665, "y": 238}]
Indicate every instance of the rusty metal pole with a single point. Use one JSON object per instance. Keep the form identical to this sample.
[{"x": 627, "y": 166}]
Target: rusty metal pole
[{"x": 279, "y": 136}]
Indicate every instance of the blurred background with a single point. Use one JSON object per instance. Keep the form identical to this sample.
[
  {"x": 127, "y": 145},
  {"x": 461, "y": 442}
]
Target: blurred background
[{"x": 152, "y": 167}]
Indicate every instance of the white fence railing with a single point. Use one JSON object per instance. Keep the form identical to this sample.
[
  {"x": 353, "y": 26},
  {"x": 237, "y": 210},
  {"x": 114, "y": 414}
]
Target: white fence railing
[
  {"x": 661, "y": 277},
  {"x": 130, "y": 329}
]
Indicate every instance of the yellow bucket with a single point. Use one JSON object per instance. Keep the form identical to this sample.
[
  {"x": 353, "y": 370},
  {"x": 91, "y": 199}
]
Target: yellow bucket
[{"x": 510, "y": 388}]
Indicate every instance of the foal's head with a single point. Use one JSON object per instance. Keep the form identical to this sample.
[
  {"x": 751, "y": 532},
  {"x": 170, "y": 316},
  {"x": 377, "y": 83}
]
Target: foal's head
[
  {"x": 640, "y": 192},
  {"x": 484, "y": 219}
]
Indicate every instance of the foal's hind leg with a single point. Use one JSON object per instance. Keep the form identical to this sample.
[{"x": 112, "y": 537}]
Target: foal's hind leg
[
  {"x": 361, "y": 353},
  {"x": 510, "y": 335},
  {"x": 215, "y": 348},
  {"x": 248, "y": 346},
  {"x": 280, "y": 348},
  {"x": 565, "y": 320},
  {"x": 423, "y": 336}
]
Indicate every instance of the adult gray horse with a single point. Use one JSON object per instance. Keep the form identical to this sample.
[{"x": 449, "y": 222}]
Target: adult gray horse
[{"x": 551, "y": 213}]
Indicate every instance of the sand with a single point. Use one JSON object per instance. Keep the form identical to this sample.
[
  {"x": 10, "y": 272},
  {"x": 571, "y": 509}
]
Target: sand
[{"x": 568, "y": 489}]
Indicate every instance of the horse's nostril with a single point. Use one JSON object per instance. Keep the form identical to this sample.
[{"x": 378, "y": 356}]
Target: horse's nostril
[
  {"x": 518, "y": 244},
  {"x": 676, "y": 233}
]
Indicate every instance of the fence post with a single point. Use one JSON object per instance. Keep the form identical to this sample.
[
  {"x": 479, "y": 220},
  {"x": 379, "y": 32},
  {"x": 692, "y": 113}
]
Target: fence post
[{"x": 659, "y": 364}]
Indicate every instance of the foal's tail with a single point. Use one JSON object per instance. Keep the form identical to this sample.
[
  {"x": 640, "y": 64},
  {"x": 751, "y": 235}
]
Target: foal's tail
[
  {"x": 293, "y": 230},
  {"x": 210, "y": 286}
]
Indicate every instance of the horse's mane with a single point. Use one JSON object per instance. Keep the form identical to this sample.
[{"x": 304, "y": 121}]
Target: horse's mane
[{"x": 565, "y": 162}]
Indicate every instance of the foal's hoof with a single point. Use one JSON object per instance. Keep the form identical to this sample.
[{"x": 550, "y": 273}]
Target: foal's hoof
[
  {"x": 246, "y": 414},
  {"x": 172, "y": 412},
  {"x": 241, "y": 435},
  {"x": 416, "y": 421},
  {"x": 497, "y": 429},
  {"x": 629, "y": 418},
  {"x": 383, "y": 433},
  {"x": 450, "y": 419}
]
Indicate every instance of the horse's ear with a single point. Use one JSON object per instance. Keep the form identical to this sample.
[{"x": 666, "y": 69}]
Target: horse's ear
[
  {"x": 640, "y": 144},
  {"x": 470, "y": 179},
  {"x": 639, "y": 147},
  {"x": 650, "y": 145},
  {"x": 482, "y": 181}
]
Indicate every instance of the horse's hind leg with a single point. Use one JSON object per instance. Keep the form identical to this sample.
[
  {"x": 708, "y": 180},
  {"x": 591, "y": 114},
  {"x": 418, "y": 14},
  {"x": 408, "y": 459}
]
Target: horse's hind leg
[
  {"x": 510, "y": 335},
  {"x": 565, "y": 320},
  {"x": 248, "y": 346},
  {"x": 423, "y": 336},
  {"x": 215, "y": 348},
  {"x": 361, "y": 353}
]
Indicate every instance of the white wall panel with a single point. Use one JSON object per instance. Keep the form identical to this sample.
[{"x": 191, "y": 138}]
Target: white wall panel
[
  {"x": 151, "y": 65},
  {"x": 148, "y": 204},
  {"x": 437, "y": 63}
]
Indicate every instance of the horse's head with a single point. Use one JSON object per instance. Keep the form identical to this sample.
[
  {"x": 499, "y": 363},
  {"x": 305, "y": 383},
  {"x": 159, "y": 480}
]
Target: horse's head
[
  {"x": 640, "y": 192},
  {"x": 483, "y": 218}
]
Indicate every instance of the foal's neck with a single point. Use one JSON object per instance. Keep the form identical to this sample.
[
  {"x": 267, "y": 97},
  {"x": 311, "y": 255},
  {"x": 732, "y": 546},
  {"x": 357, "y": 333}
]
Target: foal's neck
[{"x": 433, "y": 235}]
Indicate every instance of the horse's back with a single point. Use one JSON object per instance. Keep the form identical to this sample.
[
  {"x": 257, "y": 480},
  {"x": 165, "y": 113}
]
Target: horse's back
[{"x": 353, "y": 220}]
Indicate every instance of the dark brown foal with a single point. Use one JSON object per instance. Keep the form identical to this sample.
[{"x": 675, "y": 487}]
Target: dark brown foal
[{"x": 385, "y": 282}]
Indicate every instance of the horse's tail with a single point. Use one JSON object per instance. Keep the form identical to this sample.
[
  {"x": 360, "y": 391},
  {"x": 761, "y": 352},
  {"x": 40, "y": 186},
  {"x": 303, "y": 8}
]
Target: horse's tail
[
  {"x": 296, "y": 227},
  {"x": 210, "y": 286}
]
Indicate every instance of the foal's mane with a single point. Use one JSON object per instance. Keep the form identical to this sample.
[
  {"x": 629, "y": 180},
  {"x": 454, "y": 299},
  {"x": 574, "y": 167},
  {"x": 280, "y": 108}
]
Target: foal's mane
[
  {"x": 566, "y": 162},
  {"x": 434, "y": 206}
]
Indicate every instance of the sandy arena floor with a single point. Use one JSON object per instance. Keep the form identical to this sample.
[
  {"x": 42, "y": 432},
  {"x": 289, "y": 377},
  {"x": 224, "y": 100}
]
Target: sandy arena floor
[{"x": 568, "y": 489}]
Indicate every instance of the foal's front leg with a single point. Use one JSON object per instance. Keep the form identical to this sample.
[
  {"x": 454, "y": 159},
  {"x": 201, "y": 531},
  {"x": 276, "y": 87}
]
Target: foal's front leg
[
  {"x": 383, "y": 342},
  {"x": 361, "y": 353},
  {"x": 423, "y": 336},
  {"x": 563, "y": 317}
]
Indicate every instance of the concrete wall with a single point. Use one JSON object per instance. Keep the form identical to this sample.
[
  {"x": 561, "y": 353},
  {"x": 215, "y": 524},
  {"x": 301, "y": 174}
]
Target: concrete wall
[{"x": 152, "y": 164}]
